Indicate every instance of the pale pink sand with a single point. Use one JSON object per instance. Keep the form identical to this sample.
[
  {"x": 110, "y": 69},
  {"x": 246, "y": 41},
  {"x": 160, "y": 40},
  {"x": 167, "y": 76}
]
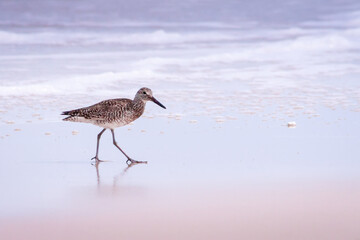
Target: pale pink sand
[{"x": 308, "y": 212}]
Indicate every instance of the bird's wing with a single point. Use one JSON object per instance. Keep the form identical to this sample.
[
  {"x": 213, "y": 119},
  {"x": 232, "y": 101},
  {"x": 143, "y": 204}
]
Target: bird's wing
[{"x": 102, "y": 110}]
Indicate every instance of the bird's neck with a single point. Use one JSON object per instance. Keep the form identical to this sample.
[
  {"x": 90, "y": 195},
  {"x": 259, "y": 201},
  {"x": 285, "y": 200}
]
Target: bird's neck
[{"x": 138, "y": 103}]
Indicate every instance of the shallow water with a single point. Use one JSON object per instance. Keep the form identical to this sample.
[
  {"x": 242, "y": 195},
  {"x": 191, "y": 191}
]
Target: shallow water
[{"x": 222, "y": 161}]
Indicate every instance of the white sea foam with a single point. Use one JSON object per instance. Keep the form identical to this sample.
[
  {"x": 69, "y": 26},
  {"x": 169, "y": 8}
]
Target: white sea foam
[
  {"x": 251, "y": 63},
  {"x": 273, "y": 63},
  {"x": 128, "y": 38}
]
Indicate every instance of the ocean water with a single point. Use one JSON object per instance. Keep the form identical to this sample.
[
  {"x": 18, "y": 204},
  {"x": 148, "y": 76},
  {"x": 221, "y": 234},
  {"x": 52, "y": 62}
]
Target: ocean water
[{"x": 215, "y": 58}]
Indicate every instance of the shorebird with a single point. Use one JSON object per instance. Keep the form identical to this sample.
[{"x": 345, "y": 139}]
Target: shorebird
[{"x": 113, "y": 113}]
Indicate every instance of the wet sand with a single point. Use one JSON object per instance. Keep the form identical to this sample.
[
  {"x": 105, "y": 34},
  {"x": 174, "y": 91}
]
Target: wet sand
[{"x": 241, "y": 178}]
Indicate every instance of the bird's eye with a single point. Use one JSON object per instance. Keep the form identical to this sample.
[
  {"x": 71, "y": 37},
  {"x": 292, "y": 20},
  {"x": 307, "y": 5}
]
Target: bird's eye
[{"x": 144, "y": 92}]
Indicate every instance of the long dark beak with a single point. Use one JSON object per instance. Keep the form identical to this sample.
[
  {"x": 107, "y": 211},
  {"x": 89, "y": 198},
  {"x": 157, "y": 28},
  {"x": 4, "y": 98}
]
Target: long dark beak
[{"x": 157, "y": 102}]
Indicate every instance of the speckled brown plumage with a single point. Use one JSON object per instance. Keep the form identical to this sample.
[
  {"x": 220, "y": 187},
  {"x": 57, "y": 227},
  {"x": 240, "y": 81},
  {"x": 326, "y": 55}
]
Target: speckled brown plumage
[
  {"x": 113, "y": 113},
  {"x": 109, "y": 113}
]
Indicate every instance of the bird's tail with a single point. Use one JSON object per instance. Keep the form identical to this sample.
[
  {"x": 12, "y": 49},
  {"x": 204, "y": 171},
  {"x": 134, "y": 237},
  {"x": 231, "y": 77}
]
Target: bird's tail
[
  {"x": 70, "y": 118},
  {"x": 77, "y": 119},
  {"x": 67, "y": 112}
]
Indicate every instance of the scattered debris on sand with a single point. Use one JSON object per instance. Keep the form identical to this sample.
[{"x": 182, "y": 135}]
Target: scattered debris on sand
[{"x": 291, "y": 124}]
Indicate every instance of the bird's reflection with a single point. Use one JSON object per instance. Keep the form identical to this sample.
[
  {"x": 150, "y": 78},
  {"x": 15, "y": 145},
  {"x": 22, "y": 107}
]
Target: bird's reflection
[{"x": 117, "y": 177}]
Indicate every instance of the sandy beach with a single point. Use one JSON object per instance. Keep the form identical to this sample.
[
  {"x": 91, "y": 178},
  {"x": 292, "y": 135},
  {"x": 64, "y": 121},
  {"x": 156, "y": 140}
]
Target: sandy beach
[
  {"x": 259, "y": 139},
  {"x": 197, "y": 185}
]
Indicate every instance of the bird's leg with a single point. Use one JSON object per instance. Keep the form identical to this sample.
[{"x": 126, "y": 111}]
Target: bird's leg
[
  {"x": 114, "y": 142},
  {"x": 97, "y": 145},
  {"x": 129, "y": 160}
]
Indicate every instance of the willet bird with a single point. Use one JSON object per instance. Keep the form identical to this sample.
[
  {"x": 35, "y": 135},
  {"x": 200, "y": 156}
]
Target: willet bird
[{"x": 113, "y": 113}]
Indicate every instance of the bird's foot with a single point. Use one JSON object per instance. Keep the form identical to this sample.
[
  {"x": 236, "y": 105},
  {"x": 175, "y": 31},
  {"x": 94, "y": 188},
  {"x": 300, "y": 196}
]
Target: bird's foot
[
  {"x": 132, "y": 161},
  {"x": 97, "y": 159}
]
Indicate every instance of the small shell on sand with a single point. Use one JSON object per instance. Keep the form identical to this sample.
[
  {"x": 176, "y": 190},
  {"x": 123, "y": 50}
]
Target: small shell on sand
[
  {"x": 291, "y": 124},
  {"x": 17, "y": 129},
  {"x": 47, "y": 133},
  {"x": 74, "y": 132},
  {"x": 143, "y": 131}
]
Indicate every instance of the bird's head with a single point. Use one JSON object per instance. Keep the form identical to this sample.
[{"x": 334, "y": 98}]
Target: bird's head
[{"x": 145, "y": 94}]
